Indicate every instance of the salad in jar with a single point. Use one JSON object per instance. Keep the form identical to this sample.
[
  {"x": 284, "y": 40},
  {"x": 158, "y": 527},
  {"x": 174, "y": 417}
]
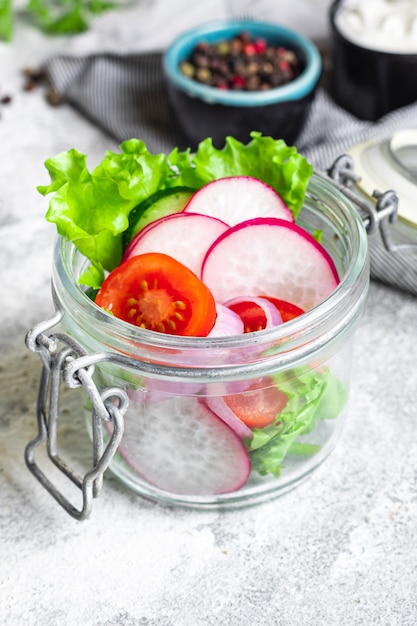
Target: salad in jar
[{"x": 204, "y": 246}]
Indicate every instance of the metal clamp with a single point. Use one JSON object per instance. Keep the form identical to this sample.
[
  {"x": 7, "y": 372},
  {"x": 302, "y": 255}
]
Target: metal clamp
[
  {"x": 379, "y": 215},
  {"x": 109, "y": 404}
]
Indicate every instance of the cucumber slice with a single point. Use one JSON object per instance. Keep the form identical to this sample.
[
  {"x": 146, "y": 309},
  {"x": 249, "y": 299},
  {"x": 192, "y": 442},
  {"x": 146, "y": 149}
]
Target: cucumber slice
[{"x": 160, "y": 204}]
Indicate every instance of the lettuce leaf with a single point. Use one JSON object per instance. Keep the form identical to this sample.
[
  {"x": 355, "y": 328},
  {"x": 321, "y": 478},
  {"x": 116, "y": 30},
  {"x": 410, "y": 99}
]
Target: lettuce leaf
[
  {"x": 312, "y": 396},
  {"x": 268, "y": 159},
  {"x": 67, "y": 16},
  {"x": 55, "y": 18},
  {"x": 92, "y": 208},
  {"x": 6, "y": 20}
]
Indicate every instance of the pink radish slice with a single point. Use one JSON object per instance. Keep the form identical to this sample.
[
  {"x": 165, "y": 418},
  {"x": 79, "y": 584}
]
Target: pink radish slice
[
  {"x": 272, "y": 315},
  {"x": 184, "y": 236},
  {"x": 269, "y": 256},
  {"x": 141, "y": 233},
  {"x": 127, "y": 253},
  {"x": 182, "y": 447},
  {"x": 220, "y": 408},
  {"x": 237, "y": 199},
  {"x": 228, "y": 323}
]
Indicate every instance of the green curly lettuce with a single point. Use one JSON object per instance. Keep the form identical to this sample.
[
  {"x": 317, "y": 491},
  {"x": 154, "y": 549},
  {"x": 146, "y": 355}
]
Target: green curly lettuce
[
  {"x": 265, "y": 158},
  {"x": 92, "y": 208},
  {"x": 6, "y": 20},
  {"x": 67, "y": 17},
  {"x": 312, "y": 396}
]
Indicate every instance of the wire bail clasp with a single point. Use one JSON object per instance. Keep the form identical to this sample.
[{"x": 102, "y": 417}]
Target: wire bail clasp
[
  {"x": 60, "y": 366},
  {"x": 376, "y": 216}
]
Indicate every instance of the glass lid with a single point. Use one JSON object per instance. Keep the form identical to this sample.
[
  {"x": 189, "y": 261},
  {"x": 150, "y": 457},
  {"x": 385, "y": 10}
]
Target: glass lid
[{"x": 390, "y": 164}]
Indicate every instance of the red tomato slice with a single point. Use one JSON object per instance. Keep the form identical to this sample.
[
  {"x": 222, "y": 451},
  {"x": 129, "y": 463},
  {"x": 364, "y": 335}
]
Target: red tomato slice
[
  {"x": 157, "y": 292},
  {"x": 251, "y": 314},
  {"x": 259, "y": 405},
  {"x": 288, "y": 310}
]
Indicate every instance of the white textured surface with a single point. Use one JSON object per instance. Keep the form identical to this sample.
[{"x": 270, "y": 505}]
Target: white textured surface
[{"x": 340, "y": 550}]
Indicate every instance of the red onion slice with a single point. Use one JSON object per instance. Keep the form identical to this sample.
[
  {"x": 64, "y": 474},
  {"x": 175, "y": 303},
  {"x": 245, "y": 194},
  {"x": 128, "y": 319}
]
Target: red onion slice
[
  {"x": 270, "y": 311},
  {"x": 228, "y": 323}
]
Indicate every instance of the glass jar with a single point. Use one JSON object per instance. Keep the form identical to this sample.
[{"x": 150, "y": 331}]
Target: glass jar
[{"x": 183, "y": 443}]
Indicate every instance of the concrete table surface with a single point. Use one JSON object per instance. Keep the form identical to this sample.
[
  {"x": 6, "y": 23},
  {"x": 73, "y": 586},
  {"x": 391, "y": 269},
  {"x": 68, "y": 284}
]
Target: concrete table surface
[{"x": 340, "y": 549}]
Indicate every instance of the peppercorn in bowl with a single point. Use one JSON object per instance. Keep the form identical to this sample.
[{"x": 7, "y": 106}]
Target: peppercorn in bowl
[{"x": 237, "y": 76}]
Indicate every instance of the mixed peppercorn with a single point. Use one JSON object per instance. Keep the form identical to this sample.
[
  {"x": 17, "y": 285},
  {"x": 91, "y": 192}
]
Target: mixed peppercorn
[
  {"x": 37, "y": 77},
  {"x": 34, "y": 78},
  {"x": 4, "y": 99},
  {"x": 243, "y": 63}
]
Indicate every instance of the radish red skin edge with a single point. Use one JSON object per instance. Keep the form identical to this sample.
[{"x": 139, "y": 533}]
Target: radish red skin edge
[
  {"x": 236, "y": 198},
  {"x": 269, "y": 256},
  {"x": 184, "y": 236}
]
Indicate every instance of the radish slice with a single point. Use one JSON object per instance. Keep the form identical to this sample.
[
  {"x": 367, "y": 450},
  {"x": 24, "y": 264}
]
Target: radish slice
[
  {"x": 237, "y": 199},
  {"x": 272, "y": 256},
  {"x": 127, "y": 253},
  {"x": 268, "y": 313},
  {"x": 218, "y": 405},
  {"x": 182, "y": 447},
  {"x": 184, "y": 236},
  {"x": 228, "y": 323}
]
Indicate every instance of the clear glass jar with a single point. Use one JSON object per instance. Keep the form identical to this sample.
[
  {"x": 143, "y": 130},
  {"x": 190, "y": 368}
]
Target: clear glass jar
[{"x": 182, "y": 443}]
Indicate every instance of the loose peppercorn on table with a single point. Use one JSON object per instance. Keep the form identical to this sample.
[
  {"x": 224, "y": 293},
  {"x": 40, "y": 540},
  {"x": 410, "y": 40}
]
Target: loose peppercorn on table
[{"x": 339, "y": 549}]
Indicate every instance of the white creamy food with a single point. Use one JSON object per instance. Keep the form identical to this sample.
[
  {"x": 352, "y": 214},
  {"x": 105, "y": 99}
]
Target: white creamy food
[{"x": 384, "y": 25}]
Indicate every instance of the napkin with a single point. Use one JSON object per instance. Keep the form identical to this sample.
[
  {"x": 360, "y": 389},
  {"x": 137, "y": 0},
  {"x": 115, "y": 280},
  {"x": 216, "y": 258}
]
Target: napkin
[{"x": 125, "y": 95}]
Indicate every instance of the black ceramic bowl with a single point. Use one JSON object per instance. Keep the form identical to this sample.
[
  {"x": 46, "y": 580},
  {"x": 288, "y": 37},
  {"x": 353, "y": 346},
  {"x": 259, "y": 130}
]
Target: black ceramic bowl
[
  {"x": 367, "y": 82},
  {"x": 206, "y": 111}
]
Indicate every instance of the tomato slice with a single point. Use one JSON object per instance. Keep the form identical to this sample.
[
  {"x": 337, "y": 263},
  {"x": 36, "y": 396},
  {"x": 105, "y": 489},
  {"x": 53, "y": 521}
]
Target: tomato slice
[
  {"x": 251, "y": 314},
  {"x": 157, "y": 292},
  {"x": 259, "y": 405},
  {"x": 288, "y": 310}
]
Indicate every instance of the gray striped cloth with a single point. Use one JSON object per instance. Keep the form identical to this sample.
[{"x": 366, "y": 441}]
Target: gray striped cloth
[{"x": 125, "y": 95}]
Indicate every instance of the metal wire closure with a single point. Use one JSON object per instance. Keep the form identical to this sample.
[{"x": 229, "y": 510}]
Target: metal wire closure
[
  {"x": 66, "y": 362},
  {"x": 109, "y": 404},
  {"x": 378, "y": 215}
]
